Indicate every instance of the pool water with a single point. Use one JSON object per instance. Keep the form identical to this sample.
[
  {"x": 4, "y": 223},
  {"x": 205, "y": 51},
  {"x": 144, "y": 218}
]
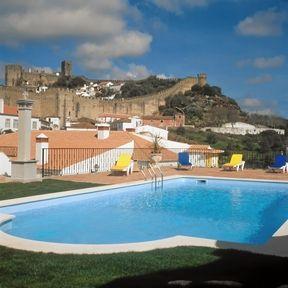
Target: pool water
[{"x": 235, "y": 211}]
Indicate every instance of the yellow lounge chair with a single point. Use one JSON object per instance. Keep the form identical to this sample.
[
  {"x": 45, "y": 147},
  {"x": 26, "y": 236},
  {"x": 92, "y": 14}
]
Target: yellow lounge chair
[
  {"x": 236, "y": 162},
  {"x": 123, "y": 164}
]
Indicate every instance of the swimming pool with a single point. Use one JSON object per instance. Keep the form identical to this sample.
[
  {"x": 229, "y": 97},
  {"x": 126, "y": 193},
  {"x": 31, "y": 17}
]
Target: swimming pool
[{"x": 225, "y": 210}]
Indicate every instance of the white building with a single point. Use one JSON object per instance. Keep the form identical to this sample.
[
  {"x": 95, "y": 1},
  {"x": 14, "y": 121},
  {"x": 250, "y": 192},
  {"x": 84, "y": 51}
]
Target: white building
[
  {"x": 87, "y": 90},
  {"x": 154, "y": 131},
  {"x": 128, "y": 124},
  {"x": 41, "y": 89},
  {"x": 9, "y": 118},
  {"x": 240, "y": 128},
  {"x": 110, "y": 117},
  {"x": 54, "y": 122}
]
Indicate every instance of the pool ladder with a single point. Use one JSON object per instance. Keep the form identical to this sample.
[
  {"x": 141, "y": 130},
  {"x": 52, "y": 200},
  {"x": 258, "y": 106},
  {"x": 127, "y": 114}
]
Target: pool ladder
[{"x": 154, "y": 173}]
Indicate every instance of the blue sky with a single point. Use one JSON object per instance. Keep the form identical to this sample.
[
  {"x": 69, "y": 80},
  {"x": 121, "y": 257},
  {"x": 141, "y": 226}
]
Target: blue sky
[{"x": 241, "y": 44}]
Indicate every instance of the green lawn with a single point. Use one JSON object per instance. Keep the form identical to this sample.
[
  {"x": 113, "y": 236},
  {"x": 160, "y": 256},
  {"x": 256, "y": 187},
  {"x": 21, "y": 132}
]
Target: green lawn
[
  {"x": 16, "y": 190},
  {"x": 25, "y": 269},
  {"x": 140, "y": 270}
]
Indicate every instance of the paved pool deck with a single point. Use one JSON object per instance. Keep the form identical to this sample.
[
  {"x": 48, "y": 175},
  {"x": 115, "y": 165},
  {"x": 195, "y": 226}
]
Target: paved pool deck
[{"x": 107, "y": 178}]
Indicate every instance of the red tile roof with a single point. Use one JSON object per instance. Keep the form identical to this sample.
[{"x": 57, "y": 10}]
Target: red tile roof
[
  {"x": 70, "y": 139},
  {"x": 10, "y": 110},
  {"x": 88, "y": 139}
]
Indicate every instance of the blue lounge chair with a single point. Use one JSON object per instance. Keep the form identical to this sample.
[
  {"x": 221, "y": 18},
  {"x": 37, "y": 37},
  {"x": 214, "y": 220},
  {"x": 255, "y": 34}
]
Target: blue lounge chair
[
  {"x": 280, "y": 164},
  {"x": 183, "y": 160}
]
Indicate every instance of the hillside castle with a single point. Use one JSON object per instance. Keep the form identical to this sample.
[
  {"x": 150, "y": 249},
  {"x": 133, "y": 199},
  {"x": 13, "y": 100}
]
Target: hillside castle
[
  {"x": 16, "y": 76},
  {"x": 64, "y": 103}
]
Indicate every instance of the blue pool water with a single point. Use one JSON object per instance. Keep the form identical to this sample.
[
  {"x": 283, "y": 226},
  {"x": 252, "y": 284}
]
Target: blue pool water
[{"x": 236, "y": 211}]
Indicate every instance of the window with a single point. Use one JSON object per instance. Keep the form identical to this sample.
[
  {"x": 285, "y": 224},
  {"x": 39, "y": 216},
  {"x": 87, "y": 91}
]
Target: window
[
  {"x": 7, "y": 123},
  {"x": 34, "y": 125},
  {"x": 15, "y": 124}
]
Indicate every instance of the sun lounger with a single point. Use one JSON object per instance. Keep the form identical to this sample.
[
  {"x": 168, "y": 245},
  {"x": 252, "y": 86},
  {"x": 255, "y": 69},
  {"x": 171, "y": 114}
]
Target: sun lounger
[
  {"x": 123, "y": 164},
  {"x": 183, "y": 160},
  {"x": 236, "y": 162},
  {"x": 280, "y": 164}
]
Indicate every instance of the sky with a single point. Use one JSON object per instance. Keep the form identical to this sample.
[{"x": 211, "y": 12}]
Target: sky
[{"x": 242, "y": 45}]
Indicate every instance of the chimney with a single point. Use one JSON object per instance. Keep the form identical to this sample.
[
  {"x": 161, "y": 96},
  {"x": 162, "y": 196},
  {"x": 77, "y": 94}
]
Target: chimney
[
  {"x": 1, "y": 105},
  {"x": 24, "y": 129},
  {"x": 42, "y": 143},
  {"x": 24, "y": 169},
  {"x": 103, "y": 131}
]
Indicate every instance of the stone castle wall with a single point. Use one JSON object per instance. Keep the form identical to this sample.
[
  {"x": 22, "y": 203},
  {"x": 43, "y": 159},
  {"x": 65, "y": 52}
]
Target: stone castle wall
[
  {"x": 65, "y": 103},
  {"x": 16, "y": 75}
]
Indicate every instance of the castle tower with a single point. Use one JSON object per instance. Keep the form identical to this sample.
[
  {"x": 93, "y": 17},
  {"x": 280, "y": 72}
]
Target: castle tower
[
  {"x": 66, "y": 68},
  {"x": 202, "y": 79},
  {"x": 13, "y": 75}
]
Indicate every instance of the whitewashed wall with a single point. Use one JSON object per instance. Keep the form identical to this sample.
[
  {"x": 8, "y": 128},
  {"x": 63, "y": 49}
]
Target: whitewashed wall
[
  {"x": 105, "y": 161},
  {"x": 173, "y": 146},
  {"x": 5, "y": 165},
  {"x": 3, "y": 118},
  {"x": 153, "y": 130}
]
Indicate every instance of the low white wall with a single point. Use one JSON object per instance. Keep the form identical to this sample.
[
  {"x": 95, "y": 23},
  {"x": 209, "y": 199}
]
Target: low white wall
[
  {"x": 5, "y": 165},
  {"x": 104, "y": 161},
  {"x": 153, "y": 130},
  {"x": 172, "y": 146}
]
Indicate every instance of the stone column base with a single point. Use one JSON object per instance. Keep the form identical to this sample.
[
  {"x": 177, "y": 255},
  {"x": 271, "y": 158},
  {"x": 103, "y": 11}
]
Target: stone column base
[{"x": 24, "y": 171}]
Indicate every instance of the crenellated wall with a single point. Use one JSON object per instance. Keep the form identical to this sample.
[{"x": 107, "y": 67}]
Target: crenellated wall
[{"x": 65, "y": 103}]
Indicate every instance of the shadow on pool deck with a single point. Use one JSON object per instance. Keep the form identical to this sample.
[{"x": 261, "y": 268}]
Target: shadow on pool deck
[
  {"x": 277, "y": 245},
  {"x": 232, "y": 269}
]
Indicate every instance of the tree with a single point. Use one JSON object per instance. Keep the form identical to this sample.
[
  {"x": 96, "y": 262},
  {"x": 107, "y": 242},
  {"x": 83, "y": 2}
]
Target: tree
[{"x": 211, "y": 138}]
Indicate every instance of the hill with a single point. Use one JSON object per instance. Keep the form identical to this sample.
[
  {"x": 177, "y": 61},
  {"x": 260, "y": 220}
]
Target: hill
[
  {"x": 207, "y": 106},
  {"x": 204, "y": 106}
]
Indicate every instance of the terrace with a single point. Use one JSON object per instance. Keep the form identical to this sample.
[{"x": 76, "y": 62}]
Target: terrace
[{"x": 108, "y": 178}]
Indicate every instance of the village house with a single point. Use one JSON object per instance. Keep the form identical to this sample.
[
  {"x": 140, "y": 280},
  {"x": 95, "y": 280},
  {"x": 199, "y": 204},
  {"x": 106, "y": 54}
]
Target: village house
[
  {"x": 110, "y": 117},
  {"x": 9, "y": 118},
  {"x": 178, "y": 120},
  {"x": 78, "y": 152}
]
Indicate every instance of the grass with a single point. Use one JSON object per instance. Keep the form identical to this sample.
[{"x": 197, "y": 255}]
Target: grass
[
  {"x": 148, "y": 269},
  {"x": 35, "y": 270},
  {"x": 16, "y": 190}
]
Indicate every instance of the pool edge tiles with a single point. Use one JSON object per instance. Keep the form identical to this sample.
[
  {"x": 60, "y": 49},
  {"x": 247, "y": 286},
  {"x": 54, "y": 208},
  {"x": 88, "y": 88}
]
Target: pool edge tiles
[{"x": 274, "y": 246}]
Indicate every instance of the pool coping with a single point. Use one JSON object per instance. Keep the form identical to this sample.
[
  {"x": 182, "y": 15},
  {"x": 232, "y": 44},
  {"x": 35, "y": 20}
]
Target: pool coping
[{"x": 277, "y": 245}]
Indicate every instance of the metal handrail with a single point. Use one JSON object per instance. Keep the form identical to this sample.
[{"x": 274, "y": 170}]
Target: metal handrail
[{"x": 157, "y": 167}]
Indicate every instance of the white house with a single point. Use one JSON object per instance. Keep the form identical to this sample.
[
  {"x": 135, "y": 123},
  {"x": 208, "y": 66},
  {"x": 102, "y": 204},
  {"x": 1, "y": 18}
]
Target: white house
[
  {"x": 9, "y": 118},
  {"x": 54, "y": 122},
  {"x": 240, "y": 128},
  {"x": 110, "y": 117},
  {"x": 128, "y": 124},
  {"x": 199, "y": 155},
  {"x": 87, "y": 90}
]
